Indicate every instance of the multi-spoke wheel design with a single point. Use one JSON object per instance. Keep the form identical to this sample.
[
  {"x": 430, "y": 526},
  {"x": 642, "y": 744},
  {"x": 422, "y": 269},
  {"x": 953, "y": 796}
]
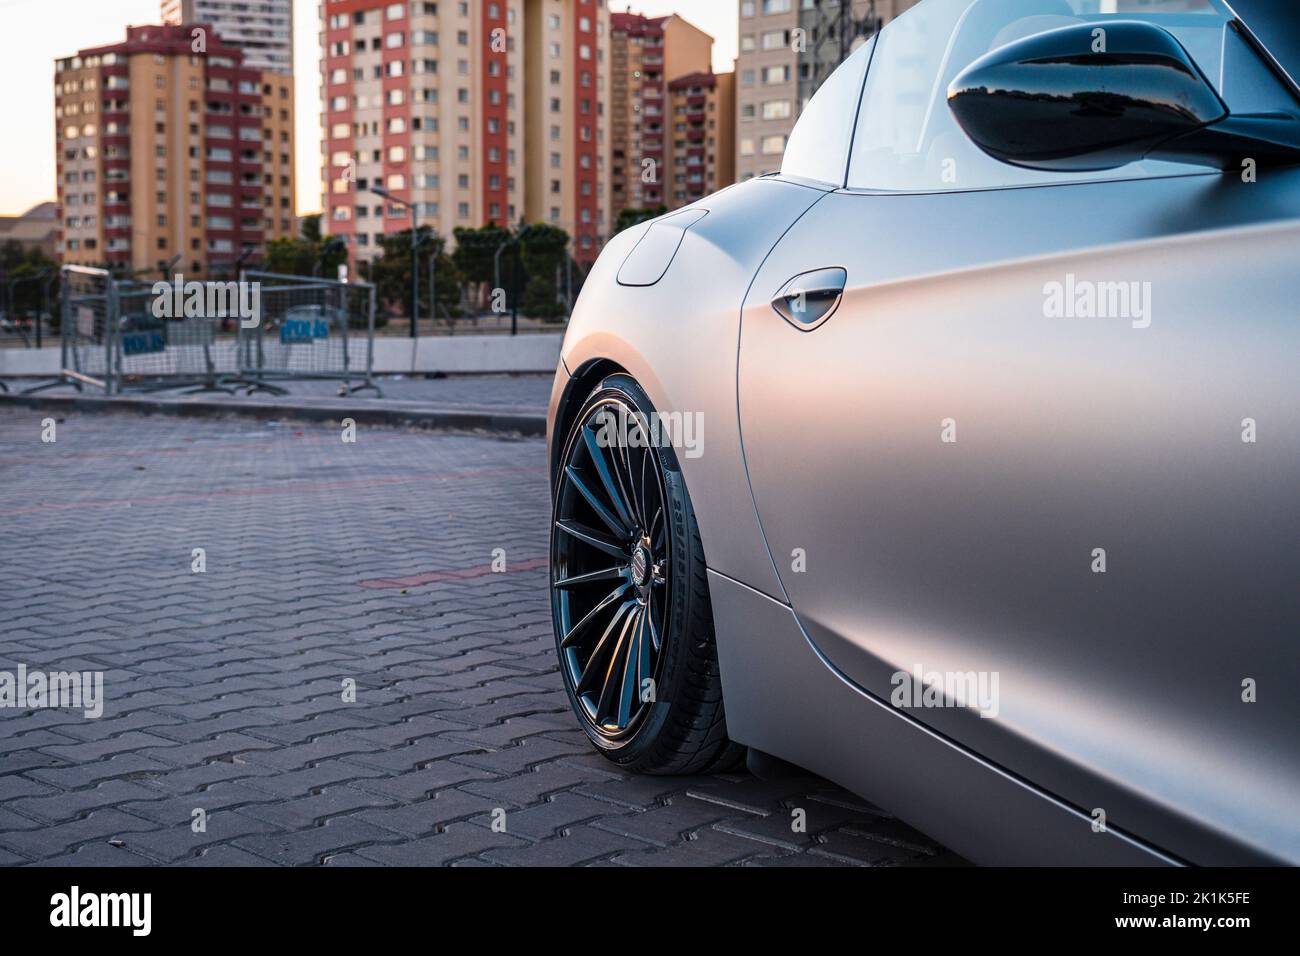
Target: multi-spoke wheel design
[
  {"x": 629, "y": 593},
  {"x": 610, "y": 564}
]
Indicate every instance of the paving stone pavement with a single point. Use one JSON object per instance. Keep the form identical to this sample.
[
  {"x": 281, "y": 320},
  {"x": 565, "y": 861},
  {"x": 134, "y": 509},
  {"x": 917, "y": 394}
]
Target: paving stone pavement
[{"x": 328, "y": 562}]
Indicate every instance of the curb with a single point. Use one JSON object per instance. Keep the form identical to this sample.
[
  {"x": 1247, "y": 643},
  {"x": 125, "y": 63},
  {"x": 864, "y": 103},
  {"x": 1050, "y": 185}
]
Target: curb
[{"x": 434, "y": 419}]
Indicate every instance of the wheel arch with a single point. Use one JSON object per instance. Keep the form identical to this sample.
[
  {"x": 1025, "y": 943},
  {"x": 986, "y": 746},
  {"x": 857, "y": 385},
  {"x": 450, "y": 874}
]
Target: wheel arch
[{"x": 576, "y": 389}]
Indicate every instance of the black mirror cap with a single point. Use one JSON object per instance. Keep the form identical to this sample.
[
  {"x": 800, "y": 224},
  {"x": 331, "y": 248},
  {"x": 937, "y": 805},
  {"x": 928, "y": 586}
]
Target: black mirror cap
[{"x": 1083, "y": 98}]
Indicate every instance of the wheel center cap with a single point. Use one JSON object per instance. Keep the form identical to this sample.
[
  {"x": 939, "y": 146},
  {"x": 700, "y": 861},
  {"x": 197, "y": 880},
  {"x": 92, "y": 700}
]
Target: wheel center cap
[{"x": 641, "y": 566}]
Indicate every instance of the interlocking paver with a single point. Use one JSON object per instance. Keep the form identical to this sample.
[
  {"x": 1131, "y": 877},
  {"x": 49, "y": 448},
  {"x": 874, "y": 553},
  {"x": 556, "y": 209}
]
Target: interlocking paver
[
  {"x": 96, "y": 855},
  {"x": 325, "y": 562},
  {"x": 418, "y": 784},
  {"x": 456, "y": 842},
  {"x": 223, "y": 855},
  {"x": 99, "y": 826},
  {"x": 707, "y": 847},
  {"x": 550, "y": 818},
  {"x": 67, "y": 805},
  {"x": 310, "y": 846},
  {"x": 669, "y": 823},
  {"x": 429, "y": 816}
]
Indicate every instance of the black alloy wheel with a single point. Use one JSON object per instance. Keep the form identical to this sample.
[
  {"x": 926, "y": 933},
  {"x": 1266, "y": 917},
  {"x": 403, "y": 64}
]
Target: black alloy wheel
[{"x": 629, "y": 593}]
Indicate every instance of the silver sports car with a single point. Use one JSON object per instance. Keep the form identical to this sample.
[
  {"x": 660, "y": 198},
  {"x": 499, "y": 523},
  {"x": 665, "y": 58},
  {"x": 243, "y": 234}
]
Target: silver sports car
[{"x": 959, "y": 461}]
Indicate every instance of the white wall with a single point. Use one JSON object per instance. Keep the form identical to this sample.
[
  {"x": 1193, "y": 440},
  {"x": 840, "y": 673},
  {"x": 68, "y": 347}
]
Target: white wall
[{"x": 452, "y": 354}]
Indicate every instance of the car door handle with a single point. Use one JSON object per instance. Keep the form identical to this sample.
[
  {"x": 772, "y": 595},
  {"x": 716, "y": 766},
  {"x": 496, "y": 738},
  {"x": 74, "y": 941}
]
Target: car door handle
[{"x": 810, "y": 298}]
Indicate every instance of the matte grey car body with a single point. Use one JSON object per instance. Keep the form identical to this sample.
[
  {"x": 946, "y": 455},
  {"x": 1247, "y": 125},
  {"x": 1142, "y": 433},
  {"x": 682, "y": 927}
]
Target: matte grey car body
[{"x": 925, "y": 476}]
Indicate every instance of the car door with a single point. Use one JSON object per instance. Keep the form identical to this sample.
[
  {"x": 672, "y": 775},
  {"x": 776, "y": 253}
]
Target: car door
[{"x": 1066, "y": 517}]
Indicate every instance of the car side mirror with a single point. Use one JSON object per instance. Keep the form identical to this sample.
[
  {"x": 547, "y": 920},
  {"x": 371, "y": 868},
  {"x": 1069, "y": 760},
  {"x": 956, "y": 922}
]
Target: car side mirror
[{"x": 1093, "y": 97}]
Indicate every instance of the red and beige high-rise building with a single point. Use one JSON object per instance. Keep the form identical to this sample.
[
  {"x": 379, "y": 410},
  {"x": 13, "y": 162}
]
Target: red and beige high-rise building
[
  {"x": 472, "y": 112},
  {"x": 167, "y": 145},
  {"x": 664, "y": 107},
  {"x": 566, "y": 61},
  {"x": 703, "y": 118}
]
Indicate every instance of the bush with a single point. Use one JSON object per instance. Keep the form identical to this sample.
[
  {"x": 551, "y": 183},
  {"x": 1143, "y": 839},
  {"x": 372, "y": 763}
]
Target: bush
[{"x": 540, "y": 300}]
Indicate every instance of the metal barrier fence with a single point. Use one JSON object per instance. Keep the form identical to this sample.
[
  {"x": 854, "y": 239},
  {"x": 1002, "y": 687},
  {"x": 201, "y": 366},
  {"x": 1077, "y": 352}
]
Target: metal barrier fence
[
  {"x": 310, "y": 328},
  {"x": 119, "y": 334},
  {"x": 182, "y": 349},
  {"x": 113, "y": 337}
]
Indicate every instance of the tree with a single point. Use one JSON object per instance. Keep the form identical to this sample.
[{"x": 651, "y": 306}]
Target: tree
[
  {"x": 333, "y": 252},
  {"x": 295, "y": 257},
  {"x": 476, "y": 251},
  {"x": 632, "y": 217},
  {"x": 310, "y": 229},
  {"x": 305, "y": 256},
  {"x": 25, "y": 277},
  {"x": 476, "y": 258},
  {"x": 543, "y": 249},
  {"x": 391, "y": 272},
  {"x": 541, "y": 299}
]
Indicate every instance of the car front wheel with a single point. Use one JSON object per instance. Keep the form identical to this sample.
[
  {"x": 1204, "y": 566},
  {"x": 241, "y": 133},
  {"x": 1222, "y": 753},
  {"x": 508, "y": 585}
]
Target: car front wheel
[{"x": 629, "y": 593}]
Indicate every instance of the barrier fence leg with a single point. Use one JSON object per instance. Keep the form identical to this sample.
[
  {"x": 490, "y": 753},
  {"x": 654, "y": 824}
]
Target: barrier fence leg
[
  {"x": 370, "y": 343},
  {"x": 110, "y": 330}
]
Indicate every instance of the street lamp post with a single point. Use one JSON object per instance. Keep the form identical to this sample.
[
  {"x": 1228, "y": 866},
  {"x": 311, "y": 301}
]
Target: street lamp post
[
  {"x": 383, "y": 193},
  {"x": 433, "y": 287},
  {"x": 514, "y": 281}
]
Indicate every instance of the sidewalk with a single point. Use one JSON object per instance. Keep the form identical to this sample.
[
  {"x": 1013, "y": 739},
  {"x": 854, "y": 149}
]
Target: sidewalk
[{"x": 512, "y": 404}]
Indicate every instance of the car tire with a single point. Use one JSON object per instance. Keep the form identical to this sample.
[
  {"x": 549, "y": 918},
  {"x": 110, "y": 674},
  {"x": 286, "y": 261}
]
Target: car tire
[{"x": 652, "y": 618}]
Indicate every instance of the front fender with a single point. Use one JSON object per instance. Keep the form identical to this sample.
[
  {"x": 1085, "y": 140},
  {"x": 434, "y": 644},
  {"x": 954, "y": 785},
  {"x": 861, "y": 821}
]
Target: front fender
[{"x": 679, "y": 338}]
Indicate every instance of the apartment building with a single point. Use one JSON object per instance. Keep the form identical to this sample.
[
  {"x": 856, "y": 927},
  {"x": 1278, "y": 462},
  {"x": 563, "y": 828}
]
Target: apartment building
[
  {"x": 787, "y": 49},
  {"x": 702, "y": 114},
  {"x": 648, "y": 55},
  {"x": 566, "y": 62},
  {"x": 163, "y": 151},
  {"x": 262, "y": 29},
  {"x": 472, "y": 112}
]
